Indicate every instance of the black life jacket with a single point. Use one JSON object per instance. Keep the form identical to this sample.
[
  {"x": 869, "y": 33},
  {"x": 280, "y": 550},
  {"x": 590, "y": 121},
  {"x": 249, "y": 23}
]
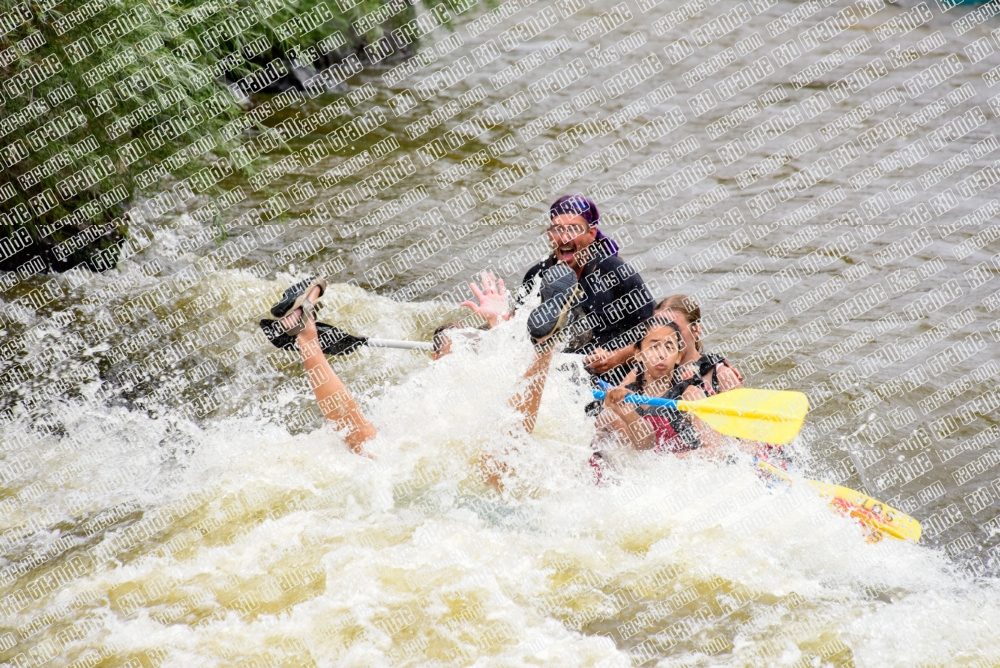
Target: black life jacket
[
  {"x": 707, "y": 364},
  {"x": 681, "y": 434}
]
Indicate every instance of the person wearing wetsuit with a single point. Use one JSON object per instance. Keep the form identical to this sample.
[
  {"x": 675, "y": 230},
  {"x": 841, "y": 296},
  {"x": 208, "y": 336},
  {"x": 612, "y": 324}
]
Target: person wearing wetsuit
[{"x": 615, "y": 299}]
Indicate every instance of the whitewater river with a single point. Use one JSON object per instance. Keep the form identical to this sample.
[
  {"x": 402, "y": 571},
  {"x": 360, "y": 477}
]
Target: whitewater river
[{"x": 171, "y": 498}]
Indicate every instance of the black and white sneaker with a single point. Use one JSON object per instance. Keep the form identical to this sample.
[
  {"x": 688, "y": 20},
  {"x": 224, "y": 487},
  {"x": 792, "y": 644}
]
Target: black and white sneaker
[
  {"x": 560, "y": 292},
  {"x": 297, "y": 297}
]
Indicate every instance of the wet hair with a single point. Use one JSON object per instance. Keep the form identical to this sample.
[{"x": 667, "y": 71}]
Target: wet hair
[
  {"x": 644, "y": 330},
  {"x": 439, "y": 337},
  {"x": 686, "y": 306}
]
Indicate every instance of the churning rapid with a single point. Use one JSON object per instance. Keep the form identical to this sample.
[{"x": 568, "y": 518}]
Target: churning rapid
[
  {"x": 230, "y": 541},
  {"x": 170, "y": 497}
]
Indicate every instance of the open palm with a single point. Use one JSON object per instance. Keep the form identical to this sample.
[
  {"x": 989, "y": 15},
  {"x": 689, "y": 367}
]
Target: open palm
[{"x": 493, "y": 301}]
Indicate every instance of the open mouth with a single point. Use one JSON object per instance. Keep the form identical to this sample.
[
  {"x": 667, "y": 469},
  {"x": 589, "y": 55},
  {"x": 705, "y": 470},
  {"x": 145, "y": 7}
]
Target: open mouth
[{"x": 565, "y": 253}]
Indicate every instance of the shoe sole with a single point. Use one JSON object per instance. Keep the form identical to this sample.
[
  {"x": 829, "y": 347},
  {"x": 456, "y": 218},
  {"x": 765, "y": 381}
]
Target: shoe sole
[
  {"x": 562, "y": 318},
  {"x": 319, "y": 281}
]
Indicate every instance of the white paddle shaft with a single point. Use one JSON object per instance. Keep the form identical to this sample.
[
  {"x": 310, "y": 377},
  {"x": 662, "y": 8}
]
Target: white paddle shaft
[
  {"x": 406, "y": 345},
  {"x": 427, "y": 345}
]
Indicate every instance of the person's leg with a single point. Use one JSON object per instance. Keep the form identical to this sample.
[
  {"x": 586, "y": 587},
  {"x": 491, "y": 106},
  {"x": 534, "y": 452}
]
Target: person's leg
[{"x": 335, "y": 401}]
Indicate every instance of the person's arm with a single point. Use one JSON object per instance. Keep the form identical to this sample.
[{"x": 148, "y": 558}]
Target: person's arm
[
  {"x": 729, "y": 378},
  {"x": 527, "y": 402},
  {"x": 709, "y": 439},
  {"x": 726, "y": 376},
  {"x": 625, "y": 422},
  {"x": 530, "y": 399},
  {"x": 335, "y": 401},
  {"x": 602, "y": 361}
]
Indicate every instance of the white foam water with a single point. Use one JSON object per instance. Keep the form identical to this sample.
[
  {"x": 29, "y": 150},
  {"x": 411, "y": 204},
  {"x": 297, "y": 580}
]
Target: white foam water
[{"x": 233, "y": 540}]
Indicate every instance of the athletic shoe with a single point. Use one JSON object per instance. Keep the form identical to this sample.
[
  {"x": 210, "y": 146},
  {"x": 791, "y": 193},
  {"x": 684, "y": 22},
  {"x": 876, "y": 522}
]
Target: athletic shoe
[
  {"x": 559, "y": 293},
  {"x": 295, "y": 296}
]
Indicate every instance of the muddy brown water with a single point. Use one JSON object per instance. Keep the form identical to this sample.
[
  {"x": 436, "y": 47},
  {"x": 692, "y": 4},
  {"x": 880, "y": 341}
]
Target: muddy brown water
[{"x": 171, "y": 498}]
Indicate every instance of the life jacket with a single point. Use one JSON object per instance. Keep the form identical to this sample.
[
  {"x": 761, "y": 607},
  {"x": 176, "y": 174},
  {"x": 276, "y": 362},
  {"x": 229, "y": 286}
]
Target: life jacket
[
  {"x": 674, "y": 432},
  {"x": 607, "y": 282},
  {"x": 708, "y": 363}
]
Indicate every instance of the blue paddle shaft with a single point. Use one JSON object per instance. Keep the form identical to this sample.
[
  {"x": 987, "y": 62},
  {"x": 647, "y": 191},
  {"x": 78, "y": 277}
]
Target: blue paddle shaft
[{"x": 639, "y": 399}]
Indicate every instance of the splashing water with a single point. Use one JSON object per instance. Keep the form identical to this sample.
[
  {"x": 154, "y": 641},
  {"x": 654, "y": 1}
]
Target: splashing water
[{"x": 139, "y": 533}]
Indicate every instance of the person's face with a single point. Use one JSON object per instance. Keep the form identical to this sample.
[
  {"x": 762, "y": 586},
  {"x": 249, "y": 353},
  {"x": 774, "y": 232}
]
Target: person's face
[
  {"x": 688, "y": 331},
  {"x": 569, "y": 234},
  {"x": 660, "y": 353},
  {"x": 443, "y": 347}
]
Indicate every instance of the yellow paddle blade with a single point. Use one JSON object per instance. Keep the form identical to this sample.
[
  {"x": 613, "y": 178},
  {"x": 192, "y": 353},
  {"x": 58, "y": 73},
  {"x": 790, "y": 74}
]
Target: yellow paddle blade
[
  {"x": 768, "y": 416},
  {"x": 873, "y": 514}
]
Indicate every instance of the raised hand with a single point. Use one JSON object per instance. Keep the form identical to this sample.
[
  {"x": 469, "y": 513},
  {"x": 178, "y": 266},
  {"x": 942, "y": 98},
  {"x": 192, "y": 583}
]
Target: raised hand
[{"x": 493, "y": 300}]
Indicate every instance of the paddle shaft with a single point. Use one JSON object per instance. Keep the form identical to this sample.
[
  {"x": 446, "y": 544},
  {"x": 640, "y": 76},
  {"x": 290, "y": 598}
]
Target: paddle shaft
[
  {"x": 404, "y": 345},
  {"x": 639, "y": 399},
  {"x": 429, "y": 346},
  {"x": 414, "y": 345}
]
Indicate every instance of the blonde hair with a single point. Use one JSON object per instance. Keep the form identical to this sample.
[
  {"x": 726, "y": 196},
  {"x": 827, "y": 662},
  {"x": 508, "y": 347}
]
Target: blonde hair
[{"x": 688, "y": 308}]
